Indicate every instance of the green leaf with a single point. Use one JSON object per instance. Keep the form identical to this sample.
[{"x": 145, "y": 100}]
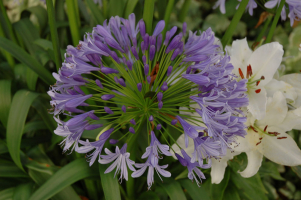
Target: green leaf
[
  {"x": 54, "y": 34},
  {"x": 149, "y": 94},
  {"x": 116, "y": 7},
  {"x": 109, "y": 184},
  {"x": 73, "y": 21},
  {"x": 23, "y": 191},
  {"x": 270, "y": 169},
  {"x": 67, "y": 175},
  {"x": 149, "y": 195},
  {"x": 26, "y": 59},
  {"x": 173, "y": 189},
  {"x": 9, "y": 169},
  {"x": 96, "y": 13},
  {"x": 148, "y": 14},
  {"x": 130, "y": 6},
  {"x": 5, "y": 100},
  {"x": 231, "y": 192},
  {"x": 184, "y": 10},
  {"x": 220, "y": 187},
  {"x": 3, "y": 147},
  {"x": 41, "y": 178},
  {"x": 250, "y": 188},
  {"x": 7, "y": 194},
  {"x": 41, "y": 15},
  {"x": 16, "y": 120},
  {"x": 196, "y": 192},
  {"x": 33, "y": 126},
  {"x": 297, "y": 170}
]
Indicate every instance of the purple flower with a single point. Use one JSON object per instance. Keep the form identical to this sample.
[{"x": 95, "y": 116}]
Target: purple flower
[
  {"x": 193, "y": 169},
  {"x": 97, "y": 146},
  {"x": 107, "y": 97},
  {"x": 132, "y": 130},
  {"x": 121, "y": 160},
  {"x": 152, "y": 161}
]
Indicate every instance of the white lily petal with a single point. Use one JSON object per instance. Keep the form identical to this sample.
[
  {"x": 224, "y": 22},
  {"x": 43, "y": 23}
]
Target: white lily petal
[
  {"x": 218, "y": 167},
  {"x": 181, "y": 142},
  {"x": 292, "y": 120},
  {"x": 288, "y": 91},
  {"x": 257, "y": 103},
  {"x": 292, "y": 79},
  {"x": 276, "y": 110},
  {"x": 254, "y": 163},
  {"x": 246, "y": 144},
  {"x": 282, "y": 151},
  {"x": 241, "y": 53},
  {"x": 265, "y": 61}
]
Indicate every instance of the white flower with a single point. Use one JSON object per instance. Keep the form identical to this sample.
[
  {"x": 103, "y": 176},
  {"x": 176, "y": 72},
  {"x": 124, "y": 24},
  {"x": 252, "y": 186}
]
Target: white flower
[
  {"x": 268, "y": 138},
  {"x": 263, "y": 62}
]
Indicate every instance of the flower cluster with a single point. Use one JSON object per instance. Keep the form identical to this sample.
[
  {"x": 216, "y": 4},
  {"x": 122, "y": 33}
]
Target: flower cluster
[
  {"x": 293, "y": 6},
  {"x": 121, "y": 77}
]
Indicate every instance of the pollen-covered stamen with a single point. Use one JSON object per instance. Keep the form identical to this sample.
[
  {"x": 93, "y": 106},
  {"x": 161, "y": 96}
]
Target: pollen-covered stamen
[
  {"x": 281, "y": 138},
  {"x": 253, "y": 129},
  {"x": 249, "y": 71},
  {"x": 265, "y": 128},
  {"x": 240, "y": 73},
  {"x": 257, "y": 83},
  {"x": 258, "y": 91},
  {"x": 274, "y": 133}
]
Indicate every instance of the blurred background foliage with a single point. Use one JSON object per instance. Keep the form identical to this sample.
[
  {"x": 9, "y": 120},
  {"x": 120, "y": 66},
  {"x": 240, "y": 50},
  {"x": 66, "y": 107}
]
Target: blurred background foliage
[{"x": 31, "y": 163}]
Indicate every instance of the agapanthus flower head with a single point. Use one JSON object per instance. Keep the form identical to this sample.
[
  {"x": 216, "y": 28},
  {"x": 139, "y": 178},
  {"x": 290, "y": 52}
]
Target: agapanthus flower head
[{"x": 128, "y": 78}]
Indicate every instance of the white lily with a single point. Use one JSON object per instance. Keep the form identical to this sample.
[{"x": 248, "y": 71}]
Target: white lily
[
  {"x": 268, "y": 138},
  {"x": 262, "y": 63}
]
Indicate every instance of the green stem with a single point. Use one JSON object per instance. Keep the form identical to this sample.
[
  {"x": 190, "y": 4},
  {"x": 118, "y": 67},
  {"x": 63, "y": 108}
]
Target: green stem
[
  {"x": 266, "y": 25},
  {"x": 148, "y": 14},
  {"x": 54, "y": 35},
  {"x": 167, "y": 15},
  {"x": 73, "y": 21},
  {"x": 228, "y": 35},
  {"x": 184, "y": 10},
  {"x": 275, "y": 21}
]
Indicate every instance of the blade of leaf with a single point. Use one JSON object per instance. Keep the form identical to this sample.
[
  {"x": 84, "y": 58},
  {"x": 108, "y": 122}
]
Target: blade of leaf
[
  {"x": 9, "y": 57},
  {"x": 33, "y": 126},
  {"x": 148, "y": 14},
  {"x": 109, "y": 184},
  {"x": 73, "y": 21},
  {"x": 173, "y": 189},
  {"x": 130, "y": 6},
  {"x": 7, "y": 194},
  {"x": 116, "y": 7},
  {"x": 167, "y": 15},
  {"x": 196, "y": 192},
  {"x": 67, "y": 175},
  {"x": 96, "y": 13},
  {"x": 16, "y": 120},
  {"x": 23, "y": 191},
  {"x": 184, "y": 10},
  {"x": 54, "y": 35},
  {"x": 221, "y": 187},
  {"x": 28, "y": 60},
  {"x": 5, "y": 100},
  {"x": 9, "y": 169}
]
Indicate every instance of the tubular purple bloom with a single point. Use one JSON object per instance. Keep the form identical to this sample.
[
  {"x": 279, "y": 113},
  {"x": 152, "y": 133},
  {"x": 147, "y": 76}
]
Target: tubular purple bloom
[
  {"x": 146, "y": 69},
  {"x": 169, "y": 70},
  {"x": 174, "y": 122},
  {"x": 164, "y": 87},
  {"x": 148, "y": 78},
  {"x": 159, "y": 28},
  {"x": 123, "y": 108},
  {"x": 132, "y": 130},
  {"x": 93, "y": 126},
  {"x": 151, "y": 118},
  {"x": 134, "y": 51},
  {"x": 184, "y": 27},
  {"x": 144, "y": 60},
  {"x": 159, "y": 126},
  {"x": 98, "y": 83},
  {"x": 108, "y": 110},
  {"x": 142, "y": 28},
  {"x": 152, "y": 52},
  {"x": 113, "y": 141},
  {"x": 139, "y": 86},
  {"x": 160, "y": 96},
  {"x": 160, "y": 105},
  {"x": 107, "y": 97},
  {"x": 107, "y": 70},
  {"x": 132, "y": 121},
  {"x": 159, "y": 42},
  {"x": 121, "y": 82}
]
